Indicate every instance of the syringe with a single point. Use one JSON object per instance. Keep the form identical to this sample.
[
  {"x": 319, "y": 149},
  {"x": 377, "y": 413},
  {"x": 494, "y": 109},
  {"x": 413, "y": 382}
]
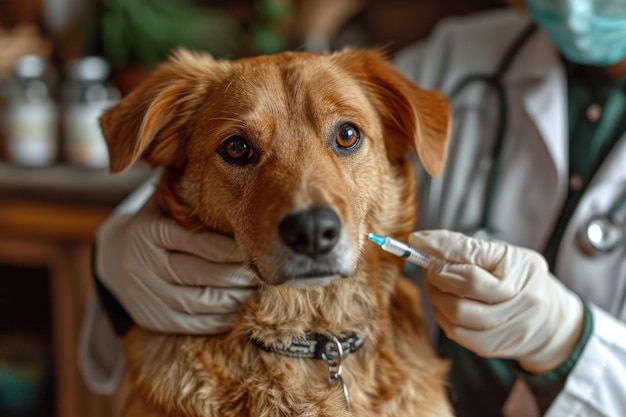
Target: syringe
[{"x": 400, "y": 249}]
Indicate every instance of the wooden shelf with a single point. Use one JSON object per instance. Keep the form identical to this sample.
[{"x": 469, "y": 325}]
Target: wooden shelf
[
  {"x": 48, "y": 219},
  {"x": 67, "y": 183}
]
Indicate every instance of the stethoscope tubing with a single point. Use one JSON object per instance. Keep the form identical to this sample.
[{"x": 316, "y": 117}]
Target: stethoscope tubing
[
  {"x": 617, "y": 207},
  {"x": 495, "y": 80}
]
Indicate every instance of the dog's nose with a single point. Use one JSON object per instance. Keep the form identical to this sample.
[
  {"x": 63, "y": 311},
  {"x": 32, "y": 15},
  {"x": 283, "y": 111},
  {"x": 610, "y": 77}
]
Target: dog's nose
[{"x": 311, "y": 232}]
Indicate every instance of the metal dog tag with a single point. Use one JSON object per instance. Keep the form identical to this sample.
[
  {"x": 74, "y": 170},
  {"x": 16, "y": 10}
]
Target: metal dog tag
[
  {"x": 335, "y": 368},
  {"x": 346, "y": 395}
]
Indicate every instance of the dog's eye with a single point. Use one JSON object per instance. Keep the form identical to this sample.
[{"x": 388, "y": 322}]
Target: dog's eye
[
  {"x": 347, "y": 136},
  {"x": 236, "y": 150}
]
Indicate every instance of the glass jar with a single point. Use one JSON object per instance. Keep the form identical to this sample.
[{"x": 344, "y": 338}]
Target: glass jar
[
  {"x": 32, "y": 115},
  {"x": 86, "y": 94}
]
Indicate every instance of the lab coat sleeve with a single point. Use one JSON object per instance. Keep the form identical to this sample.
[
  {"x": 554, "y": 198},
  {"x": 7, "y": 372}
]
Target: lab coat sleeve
[
  {"x": 100, "y": 351},
  {"x": 596, "y": 387}
]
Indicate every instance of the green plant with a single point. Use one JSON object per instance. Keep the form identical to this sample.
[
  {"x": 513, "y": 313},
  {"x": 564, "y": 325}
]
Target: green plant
[{"x": 143, "y": 32}]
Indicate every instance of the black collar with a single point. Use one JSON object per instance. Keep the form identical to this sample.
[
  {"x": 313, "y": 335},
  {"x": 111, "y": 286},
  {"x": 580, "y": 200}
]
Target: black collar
[{"x": 317, "y": 346}]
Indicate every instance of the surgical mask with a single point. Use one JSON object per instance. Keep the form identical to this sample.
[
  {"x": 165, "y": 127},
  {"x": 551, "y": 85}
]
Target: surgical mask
[{"x": 591, "y": 32}]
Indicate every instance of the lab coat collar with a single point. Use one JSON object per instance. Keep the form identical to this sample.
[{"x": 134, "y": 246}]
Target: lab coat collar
[
  {"x": 539, "y": 72},
  {"x": 545, "y": 101}
]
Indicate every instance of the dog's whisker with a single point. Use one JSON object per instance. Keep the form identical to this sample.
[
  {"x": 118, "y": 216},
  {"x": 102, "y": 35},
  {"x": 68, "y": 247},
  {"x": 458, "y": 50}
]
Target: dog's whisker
[
  {"x": 233, "y": 119},
  {"x": 239, "y": 122},
  {"x": 232, "y": 252},
  {"x": 282, "y": 294},
  {"x": 346, "y": 100},
  {"x": 309, "y": 301}
]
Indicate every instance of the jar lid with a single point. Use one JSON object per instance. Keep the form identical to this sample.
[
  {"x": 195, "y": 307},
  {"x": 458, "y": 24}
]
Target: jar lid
[
  {"x": 89, "y": 69},
  {"x": 31, "y": 66}
]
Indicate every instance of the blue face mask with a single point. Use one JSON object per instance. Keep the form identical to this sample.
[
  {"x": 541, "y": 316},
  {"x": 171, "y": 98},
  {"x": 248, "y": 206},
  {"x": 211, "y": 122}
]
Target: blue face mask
[{"x": 591, "y": 32}]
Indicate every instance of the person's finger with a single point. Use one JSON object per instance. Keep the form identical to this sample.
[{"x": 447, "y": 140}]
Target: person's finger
[
  {"x": 208, "y": 245},
  {"x": 486, "y": 343},
  {"x": 195, "y": 324},
  {"x": 191, "y": 300},
  {"x": 453, "y": 247},
  {"x": 165, "y": 233},
  {"x": 479, "y": 341},
  {"x": 473, "y": 282},
  {"x": 470, "y": 314},
  {"x": 184, "y": 269}
]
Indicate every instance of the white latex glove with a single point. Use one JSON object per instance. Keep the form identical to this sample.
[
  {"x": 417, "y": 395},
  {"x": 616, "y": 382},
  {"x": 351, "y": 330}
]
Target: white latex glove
[
  {"x": 169, "y": 279},
  {"x": 499, "y": 300}
]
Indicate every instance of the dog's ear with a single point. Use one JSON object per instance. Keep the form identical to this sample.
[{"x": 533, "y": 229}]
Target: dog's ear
[
  {"x": 413, "y": 117},
  {"x": 154, "y": 119}
]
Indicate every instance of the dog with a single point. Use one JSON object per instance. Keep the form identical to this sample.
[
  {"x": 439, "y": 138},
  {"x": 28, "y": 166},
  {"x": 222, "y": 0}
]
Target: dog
[{"x": 297, "y": 156}]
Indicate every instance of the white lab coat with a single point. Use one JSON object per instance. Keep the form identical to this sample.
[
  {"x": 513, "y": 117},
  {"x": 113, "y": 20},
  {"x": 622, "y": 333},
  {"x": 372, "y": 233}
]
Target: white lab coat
[{"x": 532, "y": 185}]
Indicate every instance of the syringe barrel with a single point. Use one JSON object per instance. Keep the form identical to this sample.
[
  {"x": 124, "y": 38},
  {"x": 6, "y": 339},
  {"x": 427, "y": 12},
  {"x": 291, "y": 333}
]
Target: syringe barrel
[{"x": 405, "y": 251}]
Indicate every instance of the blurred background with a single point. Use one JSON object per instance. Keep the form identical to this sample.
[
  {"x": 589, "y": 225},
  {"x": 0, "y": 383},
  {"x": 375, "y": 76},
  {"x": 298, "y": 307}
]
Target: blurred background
[{"x": 61, "y": 63}]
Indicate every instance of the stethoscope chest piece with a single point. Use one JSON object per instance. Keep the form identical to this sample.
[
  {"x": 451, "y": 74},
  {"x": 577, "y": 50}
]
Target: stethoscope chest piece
[{"x": 601, "y": 234}]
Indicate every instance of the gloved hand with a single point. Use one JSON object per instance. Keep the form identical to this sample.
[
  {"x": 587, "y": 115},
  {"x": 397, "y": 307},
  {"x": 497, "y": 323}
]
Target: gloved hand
[
  {"x": 169, "y": 279},
  {"x": 499, "y": 300}
]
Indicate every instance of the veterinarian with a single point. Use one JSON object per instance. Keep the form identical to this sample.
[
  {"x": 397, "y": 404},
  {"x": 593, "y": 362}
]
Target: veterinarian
[
  {"x": 537, "y": 160},
  {"x": 538, "y": 182}
]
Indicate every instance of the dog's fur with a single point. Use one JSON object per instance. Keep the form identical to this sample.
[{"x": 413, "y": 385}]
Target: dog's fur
[{"x": 288, "y": 107}]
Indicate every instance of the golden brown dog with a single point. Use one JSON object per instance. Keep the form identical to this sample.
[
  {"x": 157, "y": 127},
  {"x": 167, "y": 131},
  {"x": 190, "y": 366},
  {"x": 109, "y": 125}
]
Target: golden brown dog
[{"x": 297, "y": 156}]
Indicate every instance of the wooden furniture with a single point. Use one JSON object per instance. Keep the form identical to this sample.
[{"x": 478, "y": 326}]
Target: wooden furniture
[{"x": 48, "y": 217}]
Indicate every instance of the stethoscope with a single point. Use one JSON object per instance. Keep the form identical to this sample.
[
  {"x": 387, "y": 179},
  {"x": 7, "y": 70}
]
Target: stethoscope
[{"x": 602, "y": 233}]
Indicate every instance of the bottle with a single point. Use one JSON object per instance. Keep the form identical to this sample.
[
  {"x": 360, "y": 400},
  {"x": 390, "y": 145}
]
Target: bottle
[
  {"x": 86, "y": 94},
  {"x": 32, "y": 115}
]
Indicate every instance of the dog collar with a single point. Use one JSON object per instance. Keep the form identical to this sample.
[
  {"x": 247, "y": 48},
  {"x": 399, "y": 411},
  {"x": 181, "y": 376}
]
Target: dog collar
[
  {"x": 331, "y": 349},
  {"x": 318, "y": 346}
]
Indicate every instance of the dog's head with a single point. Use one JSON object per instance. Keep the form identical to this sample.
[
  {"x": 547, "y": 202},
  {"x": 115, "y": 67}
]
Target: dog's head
[{"x": 297, "y": 156}]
